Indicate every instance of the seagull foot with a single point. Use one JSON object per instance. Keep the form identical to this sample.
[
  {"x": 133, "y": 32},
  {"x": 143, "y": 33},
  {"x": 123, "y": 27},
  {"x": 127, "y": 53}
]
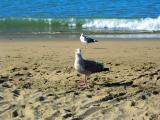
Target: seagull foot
[{"x": 83, "y": 85}]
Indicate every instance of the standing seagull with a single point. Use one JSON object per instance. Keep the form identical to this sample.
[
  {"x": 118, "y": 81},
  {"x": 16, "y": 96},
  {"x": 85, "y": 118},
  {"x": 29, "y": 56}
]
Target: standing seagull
[
  {"x": 87, "y": 67},
  {"x": 86, "y": 40}
]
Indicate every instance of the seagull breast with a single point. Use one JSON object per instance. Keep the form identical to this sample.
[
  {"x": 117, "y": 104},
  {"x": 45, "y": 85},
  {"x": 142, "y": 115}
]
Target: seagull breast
[
  {"x": 79, "y": 62},
  {"x": 82, "y": 39}
]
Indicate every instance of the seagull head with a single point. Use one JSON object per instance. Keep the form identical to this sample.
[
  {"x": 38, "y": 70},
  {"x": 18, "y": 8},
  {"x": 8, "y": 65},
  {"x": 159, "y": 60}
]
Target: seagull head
[
  {"x": 78, "y": 51},
  {"x": 78, "y": 54},
  {"x": 81, "y": 34}
]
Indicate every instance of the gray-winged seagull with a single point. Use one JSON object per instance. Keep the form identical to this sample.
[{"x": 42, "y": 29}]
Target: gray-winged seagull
[
  {"x": 86, "y": 39},
  {"x": 87, "y": 67}
]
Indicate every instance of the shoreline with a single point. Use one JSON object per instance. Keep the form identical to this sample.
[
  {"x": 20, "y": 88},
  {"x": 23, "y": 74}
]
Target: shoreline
[{"x": 64, "y": 36}]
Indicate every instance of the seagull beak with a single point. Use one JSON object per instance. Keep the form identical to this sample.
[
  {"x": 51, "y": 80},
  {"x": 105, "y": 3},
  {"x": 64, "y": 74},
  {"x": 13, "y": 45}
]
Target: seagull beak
[{"x": 78, "y": 50}]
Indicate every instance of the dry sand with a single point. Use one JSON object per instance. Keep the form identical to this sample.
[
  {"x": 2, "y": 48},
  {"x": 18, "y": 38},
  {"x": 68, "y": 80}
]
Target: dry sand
[{"x": 38, "y": 81}]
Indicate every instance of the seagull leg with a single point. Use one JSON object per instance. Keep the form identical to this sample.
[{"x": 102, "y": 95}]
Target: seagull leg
[
  {"x": 83, "y": 84},
  {"x": 86, "y": 85},
  {"x": 85, "y": 81}
]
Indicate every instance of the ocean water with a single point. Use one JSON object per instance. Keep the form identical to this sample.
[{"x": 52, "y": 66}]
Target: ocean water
[{"x": 73, "y": 16}]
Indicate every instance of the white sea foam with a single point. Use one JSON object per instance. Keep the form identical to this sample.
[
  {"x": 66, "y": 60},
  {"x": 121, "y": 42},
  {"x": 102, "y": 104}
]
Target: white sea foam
[{"x": 147, "y": 24}]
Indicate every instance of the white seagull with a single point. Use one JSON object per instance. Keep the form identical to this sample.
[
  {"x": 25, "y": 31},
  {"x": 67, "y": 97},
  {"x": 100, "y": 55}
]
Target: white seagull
[
  {"x": 86, "y": 39},
  {"x": 87, "y": 67}
]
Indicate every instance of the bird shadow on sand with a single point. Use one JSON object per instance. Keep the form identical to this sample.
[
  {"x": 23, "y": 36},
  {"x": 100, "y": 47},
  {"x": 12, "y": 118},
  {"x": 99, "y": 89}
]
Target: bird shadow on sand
[{"x": 116, "y": 84}]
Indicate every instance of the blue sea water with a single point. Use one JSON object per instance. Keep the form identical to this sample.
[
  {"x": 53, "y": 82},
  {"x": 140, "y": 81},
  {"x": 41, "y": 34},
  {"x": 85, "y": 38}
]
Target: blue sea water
[
  {"x": 74, "y": 16},
  {"x": 80, "y": 8}
]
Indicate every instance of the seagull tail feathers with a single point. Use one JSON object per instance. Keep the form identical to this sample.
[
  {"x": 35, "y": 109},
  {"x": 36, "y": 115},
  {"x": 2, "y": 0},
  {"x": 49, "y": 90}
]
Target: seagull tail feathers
[
  {"x": 105, "y": 69},
  {"x": 95, "y": 40}
]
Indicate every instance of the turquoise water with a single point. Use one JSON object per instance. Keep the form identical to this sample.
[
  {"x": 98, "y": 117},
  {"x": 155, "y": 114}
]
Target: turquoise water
[{"x": 72, "y": 16}]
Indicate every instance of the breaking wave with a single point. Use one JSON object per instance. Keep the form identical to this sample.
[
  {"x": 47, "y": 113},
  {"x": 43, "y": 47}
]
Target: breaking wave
[
  {"x": 146, "y": 24},
  {"x": 79, "y": 24}
]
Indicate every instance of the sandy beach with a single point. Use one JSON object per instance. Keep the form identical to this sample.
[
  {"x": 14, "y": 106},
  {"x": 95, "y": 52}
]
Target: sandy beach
[{"x": 38, "y": 80}]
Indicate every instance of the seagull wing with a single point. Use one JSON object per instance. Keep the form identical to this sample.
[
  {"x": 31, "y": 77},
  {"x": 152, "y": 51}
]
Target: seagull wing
[
  {"x": 88, "y": 39},
  {"x": 92, "y": 66}
]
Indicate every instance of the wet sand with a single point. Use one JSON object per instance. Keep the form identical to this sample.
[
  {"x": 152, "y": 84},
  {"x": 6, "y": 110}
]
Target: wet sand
[{"x": 38, "y": 81}]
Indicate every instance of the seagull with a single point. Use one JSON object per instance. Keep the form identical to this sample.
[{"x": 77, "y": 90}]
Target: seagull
[
  {"x": 87, "y": 67},
  {"x": 86, "y": 39}
]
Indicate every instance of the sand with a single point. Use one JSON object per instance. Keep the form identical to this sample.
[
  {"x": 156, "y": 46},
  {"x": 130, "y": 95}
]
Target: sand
[{"x": 38, "y": 81}]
